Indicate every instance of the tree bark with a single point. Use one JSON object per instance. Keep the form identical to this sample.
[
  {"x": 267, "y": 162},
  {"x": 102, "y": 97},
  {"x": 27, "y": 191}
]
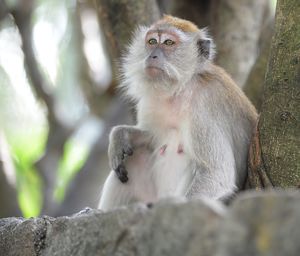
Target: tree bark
[{"x": 279, "y": 129}]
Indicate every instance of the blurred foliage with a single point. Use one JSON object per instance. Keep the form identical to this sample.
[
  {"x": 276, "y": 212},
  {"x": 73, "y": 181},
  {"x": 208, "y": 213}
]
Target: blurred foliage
[
  {"x": 22, "y": 116},
  {"x": 26, "y": 141},
  {"x": 75, "y": 155}
]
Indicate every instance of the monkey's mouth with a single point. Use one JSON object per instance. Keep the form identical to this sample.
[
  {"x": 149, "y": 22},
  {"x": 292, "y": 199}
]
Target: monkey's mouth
[{"x": 153, "y": 71}]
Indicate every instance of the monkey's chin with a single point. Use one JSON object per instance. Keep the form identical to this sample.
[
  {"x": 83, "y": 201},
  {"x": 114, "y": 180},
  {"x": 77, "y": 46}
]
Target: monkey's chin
[{"x": 154, "y": 72}]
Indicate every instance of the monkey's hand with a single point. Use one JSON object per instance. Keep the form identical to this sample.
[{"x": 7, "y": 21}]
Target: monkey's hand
[{"x": 119, "y": 149}]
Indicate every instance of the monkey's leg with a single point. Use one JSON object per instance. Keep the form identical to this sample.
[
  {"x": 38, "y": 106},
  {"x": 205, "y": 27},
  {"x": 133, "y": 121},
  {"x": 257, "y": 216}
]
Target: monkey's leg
[
  {"x": 115, "y": 193},
  {"x": 208, "y": 184}
]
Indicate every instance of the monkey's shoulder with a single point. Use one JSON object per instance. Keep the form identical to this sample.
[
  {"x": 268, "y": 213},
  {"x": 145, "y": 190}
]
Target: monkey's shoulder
[
  {"x": 216, "y": 75},
  {"x": 222, "y": 89}
]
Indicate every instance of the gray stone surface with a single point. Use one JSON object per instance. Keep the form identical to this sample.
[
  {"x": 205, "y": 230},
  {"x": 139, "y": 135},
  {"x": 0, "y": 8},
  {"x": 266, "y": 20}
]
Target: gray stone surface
[
  {"x": 262, "y": 224},
  {"x": 22, "y": 237},
  {"x": 257, "y": 223}
]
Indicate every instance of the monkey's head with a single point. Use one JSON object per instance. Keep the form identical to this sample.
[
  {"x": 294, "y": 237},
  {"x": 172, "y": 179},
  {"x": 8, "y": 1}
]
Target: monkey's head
[{"x": 165, "y": 56}]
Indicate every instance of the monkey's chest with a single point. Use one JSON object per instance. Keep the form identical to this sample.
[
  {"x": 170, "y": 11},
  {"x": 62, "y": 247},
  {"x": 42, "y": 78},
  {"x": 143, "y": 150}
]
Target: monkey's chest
[
  {"x": 170, "y": 169},
  {"x": 169, "y": 164}
]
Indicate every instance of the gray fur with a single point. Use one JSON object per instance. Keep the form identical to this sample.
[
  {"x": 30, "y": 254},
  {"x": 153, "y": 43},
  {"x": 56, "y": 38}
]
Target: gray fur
[{"x": 198, "y": 108}]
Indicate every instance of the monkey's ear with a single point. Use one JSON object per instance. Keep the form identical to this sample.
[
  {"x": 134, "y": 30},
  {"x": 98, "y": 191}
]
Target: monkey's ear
[{"x": 205, "y": 48}]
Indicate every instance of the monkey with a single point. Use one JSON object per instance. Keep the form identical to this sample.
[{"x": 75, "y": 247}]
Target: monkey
[{"x": 194, "y": 124}]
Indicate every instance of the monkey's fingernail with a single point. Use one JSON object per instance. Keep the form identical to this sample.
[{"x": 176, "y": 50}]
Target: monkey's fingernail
[
  {"x": 129, "y": 152},
  {"x": 149, "y": 205},
  {"x": 122, "y": 170},
  {"x": 121, "y": 175},
  {"x": 123, "y": 178}
]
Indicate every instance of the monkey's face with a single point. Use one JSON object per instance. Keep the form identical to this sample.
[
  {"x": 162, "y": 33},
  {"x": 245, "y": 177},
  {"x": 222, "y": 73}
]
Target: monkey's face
[
  {"x": 168, "y": 55},
  {"x": 160, "y": 46},
  {"x": 164, "y": 57}
]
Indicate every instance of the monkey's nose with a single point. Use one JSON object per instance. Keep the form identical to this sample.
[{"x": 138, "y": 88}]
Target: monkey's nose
[{"x": 156, "y": 54}]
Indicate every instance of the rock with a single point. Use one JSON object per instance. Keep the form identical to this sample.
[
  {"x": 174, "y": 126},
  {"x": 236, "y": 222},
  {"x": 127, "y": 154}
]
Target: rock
[
  {"x": 265, "y": 223},
  {"x": 24, "y": 237},
  {"x": 257, "y": 223},
  {"x": 93, "y": 233},
  {"x": 177, "y": 229},
  {"x": 168, "y": 228}
]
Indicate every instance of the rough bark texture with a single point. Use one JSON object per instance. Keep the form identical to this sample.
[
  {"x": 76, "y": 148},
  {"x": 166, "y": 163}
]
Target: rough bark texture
[
  {"x": 279, "y": 127},
  {"x": 255, "y": 224}
]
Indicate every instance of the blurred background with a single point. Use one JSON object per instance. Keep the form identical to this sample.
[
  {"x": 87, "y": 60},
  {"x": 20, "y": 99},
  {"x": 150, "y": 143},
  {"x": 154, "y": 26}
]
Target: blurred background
[{"x": 58, "y": 97}]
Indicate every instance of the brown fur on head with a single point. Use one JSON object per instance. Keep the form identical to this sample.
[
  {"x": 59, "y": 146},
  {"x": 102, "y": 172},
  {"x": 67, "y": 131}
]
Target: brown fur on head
[
  {"x": 181, "y": 24},
  {"x": 157, "y": 66}
]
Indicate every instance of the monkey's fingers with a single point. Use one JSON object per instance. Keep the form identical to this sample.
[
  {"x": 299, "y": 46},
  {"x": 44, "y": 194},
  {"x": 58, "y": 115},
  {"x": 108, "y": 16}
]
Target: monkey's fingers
[
  {"x": 122, "y": 173},
  {"x": 128, "y": 151}
]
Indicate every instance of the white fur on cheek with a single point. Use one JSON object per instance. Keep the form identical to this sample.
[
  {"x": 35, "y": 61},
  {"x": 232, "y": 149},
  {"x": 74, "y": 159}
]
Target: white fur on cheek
[
  {"x": 179, "y": 67},
  {"x": 132, "y": 69}
]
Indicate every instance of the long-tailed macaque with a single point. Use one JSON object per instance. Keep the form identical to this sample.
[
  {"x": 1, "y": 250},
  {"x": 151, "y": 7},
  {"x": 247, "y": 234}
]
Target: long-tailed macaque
[{"x": 194, "y": 123}]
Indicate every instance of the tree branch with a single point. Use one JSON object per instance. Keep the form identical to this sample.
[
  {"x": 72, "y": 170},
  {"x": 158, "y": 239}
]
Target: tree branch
[
  {"x": 235, "y": 26},
  {"x": 58, "y": 133},
  {"x": 98, "y": 100},
  {"x": 23, "y": 22}
]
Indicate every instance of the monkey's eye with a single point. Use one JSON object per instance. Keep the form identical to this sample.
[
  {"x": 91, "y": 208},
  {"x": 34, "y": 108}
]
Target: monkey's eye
[
  {"x": 152, "y": 41},
  {"x": 169, "y": 42}
]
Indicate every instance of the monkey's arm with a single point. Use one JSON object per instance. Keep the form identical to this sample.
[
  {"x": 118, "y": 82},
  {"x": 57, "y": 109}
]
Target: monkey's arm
[
  {"x": 123, "y": 141},
  {"x": 215, "y": 170},
  {"x": 212, "y": 142}
]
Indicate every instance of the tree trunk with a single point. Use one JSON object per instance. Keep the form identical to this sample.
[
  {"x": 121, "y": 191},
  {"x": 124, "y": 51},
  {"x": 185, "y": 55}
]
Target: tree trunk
[
  {"x": 236, "y": 29},
  {"x": 254, "y": 84},
  {"x": 278, "y": 144}
]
